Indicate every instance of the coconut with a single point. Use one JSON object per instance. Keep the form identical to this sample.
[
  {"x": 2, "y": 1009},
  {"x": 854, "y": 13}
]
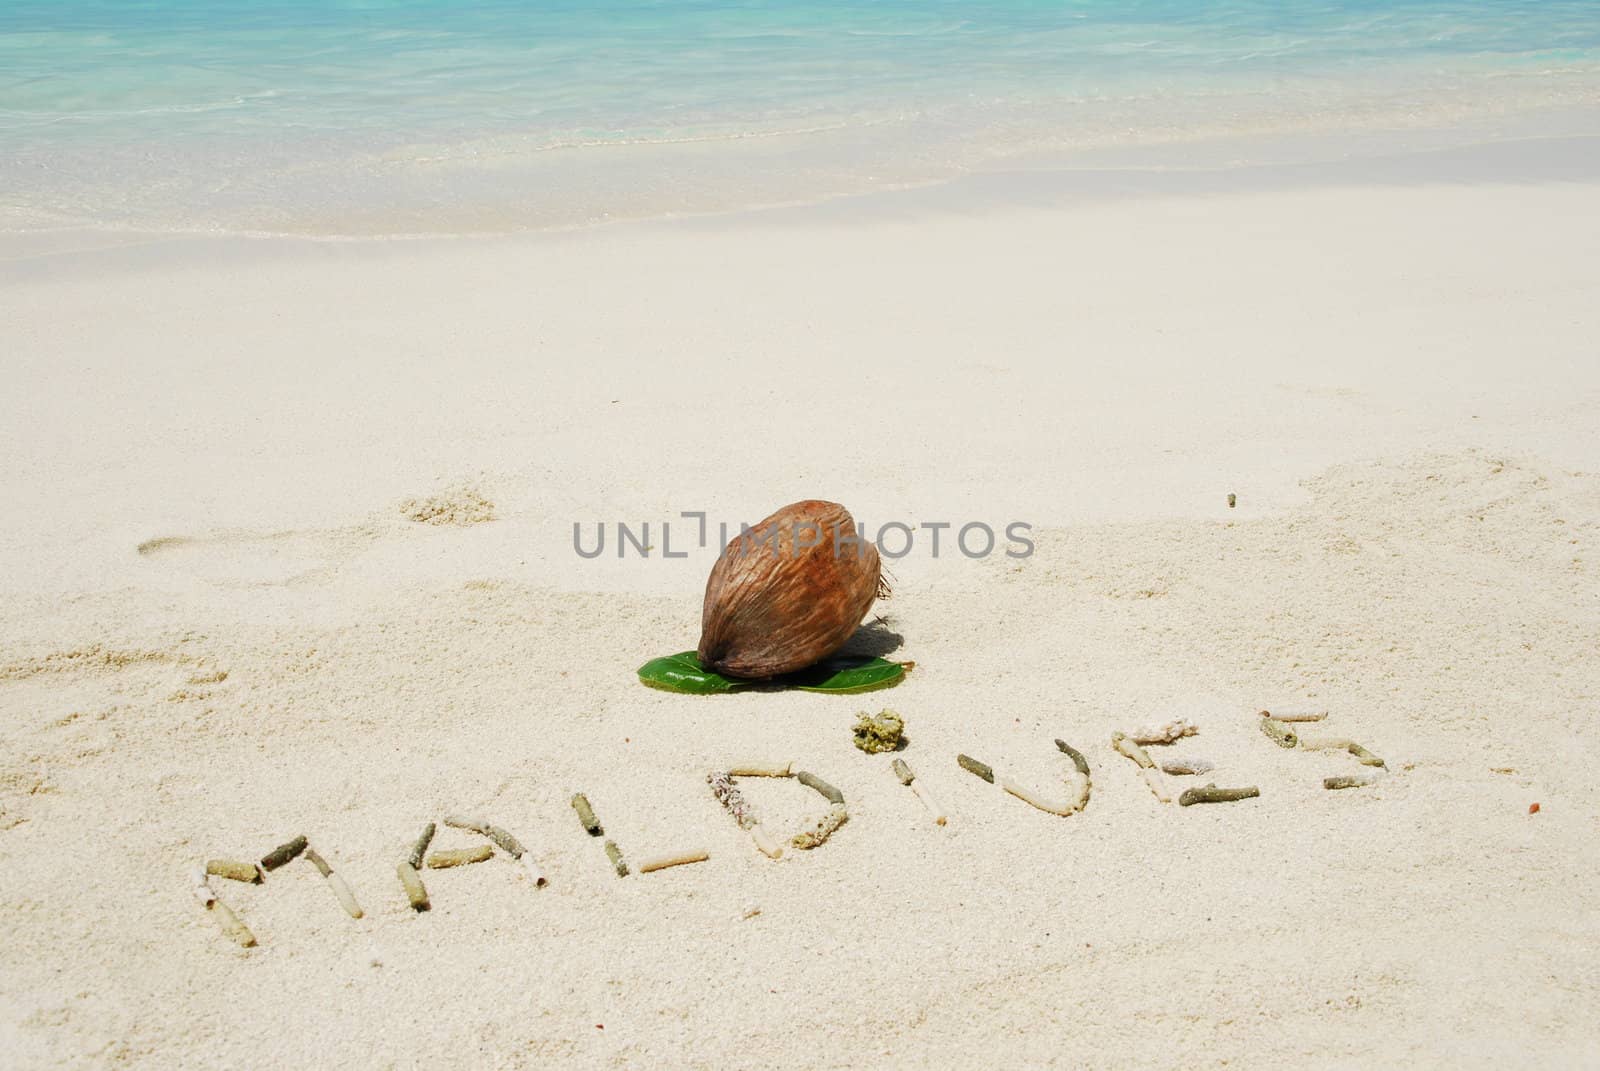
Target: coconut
[{"x": 788, "y": 592}]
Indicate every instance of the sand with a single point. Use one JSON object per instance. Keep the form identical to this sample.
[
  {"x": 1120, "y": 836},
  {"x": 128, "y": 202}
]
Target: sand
[{"x": 229, "y": 616}]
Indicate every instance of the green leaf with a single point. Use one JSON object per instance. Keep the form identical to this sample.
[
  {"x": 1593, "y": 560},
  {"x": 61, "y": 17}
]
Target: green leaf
[
  {"x": 839, "y": 676},
  {"x": 846, "y": 676},
  {"x": 682, "y": 673}
]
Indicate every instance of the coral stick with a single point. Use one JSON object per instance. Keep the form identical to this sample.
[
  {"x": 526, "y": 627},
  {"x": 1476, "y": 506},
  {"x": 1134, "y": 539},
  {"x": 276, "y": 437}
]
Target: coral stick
[
  {"x": 234, "y": 870},
  {"x": 661, "y": 862},
  {"x": 812, "y": 781},
  {"x": 340, "y": 887},
  {"x": 761, "y": 769},
  {"x": 283, "y": 854},
  {"x": 220, "y": 911},
  {"x": 591, "y": 824},
  {"x": 903, "y": 772},
  {"x": 411, "y": 881},
  {"x": 1147, "y": 767},
  {"x": 1296, "y": 717},
  {"x": 1350, "y": 781},
  {"x": 1213, "y": 794},
  {"x": 420, "y": 848},
  {"x": 459, "y": 857},
  {"x": 1279, "y": 733}
]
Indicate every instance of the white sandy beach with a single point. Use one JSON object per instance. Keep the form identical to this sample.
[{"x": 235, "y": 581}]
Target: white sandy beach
[{"x": 1399, "y": 379}]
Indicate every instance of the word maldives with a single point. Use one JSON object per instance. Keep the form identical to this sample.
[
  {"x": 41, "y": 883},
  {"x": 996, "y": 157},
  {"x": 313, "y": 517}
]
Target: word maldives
[{"x": 894, "y": 539}]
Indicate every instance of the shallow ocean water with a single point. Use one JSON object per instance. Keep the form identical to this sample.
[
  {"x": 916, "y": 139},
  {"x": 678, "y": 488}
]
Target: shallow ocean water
[{"x": 419, "y": 116}]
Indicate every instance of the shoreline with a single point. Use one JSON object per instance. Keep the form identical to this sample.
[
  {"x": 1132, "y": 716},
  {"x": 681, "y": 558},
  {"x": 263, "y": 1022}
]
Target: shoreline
[
  {"x": 1493, "y": 145},
  {"x": 1530, "y": 158}
]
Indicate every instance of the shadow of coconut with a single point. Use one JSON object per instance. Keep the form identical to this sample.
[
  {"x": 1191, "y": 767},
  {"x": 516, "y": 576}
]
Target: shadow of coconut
[{"x": 876, "y": 640}]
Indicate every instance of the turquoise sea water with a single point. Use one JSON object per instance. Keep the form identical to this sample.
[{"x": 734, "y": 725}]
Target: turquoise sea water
[{"x": 385, "y": 116}]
